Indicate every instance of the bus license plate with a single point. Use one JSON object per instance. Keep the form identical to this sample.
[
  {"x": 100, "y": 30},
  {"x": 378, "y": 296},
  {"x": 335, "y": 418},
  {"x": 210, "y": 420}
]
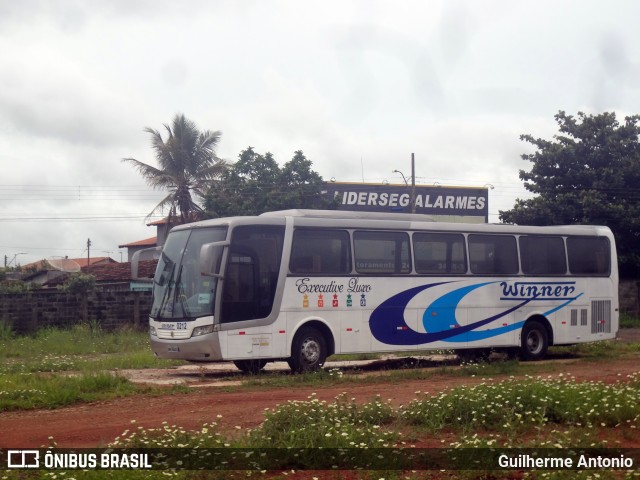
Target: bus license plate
[{"x": 174, "y": 326}]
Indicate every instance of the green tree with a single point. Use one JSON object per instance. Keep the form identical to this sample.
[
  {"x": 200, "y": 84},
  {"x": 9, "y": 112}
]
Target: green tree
[
  {"x": 588, "y": 174},
  {"x": 256, "y": 184},
  {"x": 302, "y": 186},
  {"x": 187, "y": 165}
]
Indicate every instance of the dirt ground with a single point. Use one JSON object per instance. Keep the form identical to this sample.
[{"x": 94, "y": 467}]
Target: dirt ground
[{"x": 97, "y": 424}]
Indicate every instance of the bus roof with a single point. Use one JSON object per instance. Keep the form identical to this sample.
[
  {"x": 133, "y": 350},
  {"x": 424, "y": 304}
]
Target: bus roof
[
  {"x": 347, "y": 214},
  {"x": 402, "y": 221}
]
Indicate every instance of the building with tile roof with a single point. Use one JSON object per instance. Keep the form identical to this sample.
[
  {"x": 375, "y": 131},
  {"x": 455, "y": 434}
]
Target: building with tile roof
[
  {"x": 46, "y": 270},
  {"x": 133, "y": 247}
]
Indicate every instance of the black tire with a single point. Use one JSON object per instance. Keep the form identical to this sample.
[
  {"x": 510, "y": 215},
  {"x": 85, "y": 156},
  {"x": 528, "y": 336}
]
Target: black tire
[
  {"x": 534, "y": 341},
  {"x": 474, "y": 354},
  {"x": 308, "y": 351},
  {"x": 250, "y": 366}
]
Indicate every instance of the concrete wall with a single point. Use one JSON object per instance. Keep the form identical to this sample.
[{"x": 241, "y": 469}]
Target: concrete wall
[
  {"x": 27, "y": 312},
  {"x": 629, "y": 295}
]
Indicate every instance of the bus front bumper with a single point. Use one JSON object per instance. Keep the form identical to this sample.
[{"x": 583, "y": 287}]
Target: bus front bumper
[{"x": 204, "y": 348}]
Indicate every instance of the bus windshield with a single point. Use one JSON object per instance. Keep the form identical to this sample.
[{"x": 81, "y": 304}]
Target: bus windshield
[{"x": 179, "y": 290}]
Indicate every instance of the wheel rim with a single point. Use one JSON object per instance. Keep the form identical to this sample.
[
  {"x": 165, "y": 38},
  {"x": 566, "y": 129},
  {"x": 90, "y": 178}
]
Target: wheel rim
[
  {"x": 534, "y": 342},
  {"x": 310, "y": 351}
]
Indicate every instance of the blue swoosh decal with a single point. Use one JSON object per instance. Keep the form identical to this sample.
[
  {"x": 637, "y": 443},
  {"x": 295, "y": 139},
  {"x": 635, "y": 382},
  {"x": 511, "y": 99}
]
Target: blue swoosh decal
[
  {"x": 441, "y": 315},
  {"x": 492, "y": 332},
  {"x": 388, "y": 326},
  {"x": 555, "y": 309}
]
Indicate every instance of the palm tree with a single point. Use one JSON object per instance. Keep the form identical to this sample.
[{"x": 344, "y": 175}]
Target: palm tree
[{"x": 188, "y": 163}]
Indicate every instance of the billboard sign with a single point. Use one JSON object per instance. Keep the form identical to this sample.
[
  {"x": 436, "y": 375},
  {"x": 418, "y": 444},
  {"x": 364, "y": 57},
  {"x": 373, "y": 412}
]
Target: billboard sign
[{"x": 429, "y": 200}]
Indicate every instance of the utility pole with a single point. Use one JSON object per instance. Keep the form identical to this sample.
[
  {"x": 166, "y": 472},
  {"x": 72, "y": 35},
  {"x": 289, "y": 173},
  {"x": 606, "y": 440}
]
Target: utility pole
[
  {"x": 412, "y": 188},
  {"x": 7, "y": 264},
  {"x": 413, "y": 183},
  {"x": 88, "y": 250}
]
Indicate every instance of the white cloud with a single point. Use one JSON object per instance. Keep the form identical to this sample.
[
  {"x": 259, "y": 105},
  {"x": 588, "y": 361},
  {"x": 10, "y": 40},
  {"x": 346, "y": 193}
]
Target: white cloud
[{"x": 357, "y": 86}]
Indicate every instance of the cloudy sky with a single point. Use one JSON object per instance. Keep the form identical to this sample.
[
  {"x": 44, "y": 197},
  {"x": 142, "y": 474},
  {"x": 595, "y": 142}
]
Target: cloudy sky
[{"x": 357, "y": 85}]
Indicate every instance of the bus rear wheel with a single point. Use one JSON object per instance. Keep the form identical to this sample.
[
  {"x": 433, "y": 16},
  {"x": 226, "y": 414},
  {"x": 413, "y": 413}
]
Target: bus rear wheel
[
  {"x": 250, "y": 366},
  {"x": 534, "y": 341},
  {"x": 308, "y": 351}
]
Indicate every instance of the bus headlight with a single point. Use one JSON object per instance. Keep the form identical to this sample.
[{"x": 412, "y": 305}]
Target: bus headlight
[
  {"x": 203, "y": 330},
  {"x": 152, "y": 331}
]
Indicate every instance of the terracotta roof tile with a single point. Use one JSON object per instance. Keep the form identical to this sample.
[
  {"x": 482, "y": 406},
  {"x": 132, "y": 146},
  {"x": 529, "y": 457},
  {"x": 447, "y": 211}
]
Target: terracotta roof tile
[
  {"x": 111, "y": 272},
  {"x": 147, "y": 242},
  {"x": 83, "y": 262},
  {"x": 120, "y": 271},
  {"x": 162, "y": 221},
  {"x": 43, "y": 264}
]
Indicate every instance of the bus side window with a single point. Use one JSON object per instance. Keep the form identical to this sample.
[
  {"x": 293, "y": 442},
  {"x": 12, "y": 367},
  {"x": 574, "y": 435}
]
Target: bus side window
[
  {"x": 382, "y": 252},
  {"x": 589, "y": 255},
  {"x": 316, "y": 251},
  {"x": 439, "y": 253},
  {"x": 542, "y": 255},
  {"x": 493, "y": 254}
]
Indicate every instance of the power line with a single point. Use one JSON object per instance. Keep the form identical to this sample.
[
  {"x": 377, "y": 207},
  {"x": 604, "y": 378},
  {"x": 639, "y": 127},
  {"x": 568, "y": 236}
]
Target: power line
[
  {"x": 49, "y": 185},
  {"x": 79, "y": 219}
]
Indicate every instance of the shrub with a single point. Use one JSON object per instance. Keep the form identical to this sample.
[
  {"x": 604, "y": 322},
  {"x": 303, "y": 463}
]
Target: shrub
[
  {"x": 15, "y": 286},
  {"x": 81, "y": 283}
]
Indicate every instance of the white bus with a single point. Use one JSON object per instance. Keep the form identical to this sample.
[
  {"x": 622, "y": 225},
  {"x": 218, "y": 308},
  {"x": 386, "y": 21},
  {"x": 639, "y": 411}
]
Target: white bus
[{"x": 301, "y": 285}]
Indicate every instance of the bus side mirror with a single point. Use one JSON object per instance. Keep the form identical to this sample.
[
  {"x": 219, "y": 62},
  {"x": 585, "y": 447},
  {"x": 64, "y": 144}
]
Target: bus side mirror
[
  {"x": 210, "y": 258},
  {"x": 145, "y": 254}
]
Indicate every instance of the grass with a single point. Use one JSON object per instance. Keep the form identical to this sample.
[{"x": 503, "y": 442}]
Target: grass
[
  {"x": 629, "y": 321},
  {"x": 328, "y": 378},
  {"x": 22, "y": 392},
  {"x": 59, "y": 367},
  {"x": 538, "y": 412},
  {"x": 519, "y": 404},
  {"x": 6, "y": 333},
  {"x": 406, "y": 369},
  {"x": 80, "y": 339},
  {"x": 70, "y": 360},
  {"x": 83, "y": 347},
  {"x": 597, "y": 350},
  {"x": 319, "y": 424}
]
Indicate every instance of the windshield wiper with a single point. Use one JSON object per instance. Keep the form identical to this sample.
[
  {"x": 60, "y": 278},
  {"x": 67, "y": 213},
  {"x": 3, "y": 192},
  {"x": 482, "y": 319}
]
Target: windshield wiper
[
  {"x": 180, "y": 295},
  {"x": 161, "y": 278},
  {"x": 167, "y": 290}
]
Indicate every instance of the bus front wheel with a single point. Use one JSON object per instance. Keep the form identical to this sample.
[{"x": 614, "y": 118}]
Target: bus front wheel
[
  {"x": 534, "y": 341},
  {"x": 308, "y": 351}
]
